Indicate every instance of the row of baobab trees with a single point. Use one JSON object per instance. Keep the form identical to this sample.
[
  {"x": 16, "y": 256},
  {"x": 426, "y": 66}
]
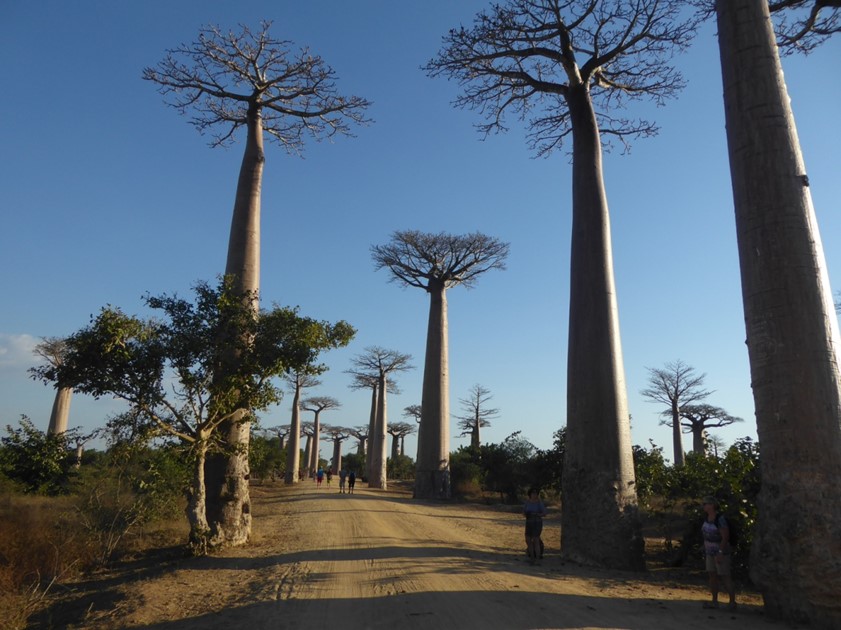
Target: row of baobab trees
[{"x": 566, "y": 68}]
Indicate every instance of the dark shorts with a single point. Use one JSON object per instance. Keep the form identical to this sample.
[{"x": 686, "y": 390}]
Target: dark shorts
[{"x": 534, "y": 527}]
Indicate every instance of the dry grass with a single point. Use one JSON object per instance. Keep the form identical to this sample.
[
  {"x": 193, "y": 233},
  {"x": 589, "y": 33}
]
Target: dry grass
[{"x": 43, "y": 545}]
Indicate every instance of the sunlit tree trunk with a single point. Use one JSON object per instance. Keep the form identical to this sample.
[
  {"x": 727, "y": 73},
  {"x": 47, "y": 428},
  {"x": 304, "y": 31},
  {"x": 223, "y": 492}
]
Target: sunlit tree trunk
[
  {"x": 372, "y": 427},
  {"x": 197, "y": 502},
  {"x": 293, "y": 447},
  {"x": 432, "y": 478},
  {"x": 61, "y": 411},
  {"x": 227, "y": 473},
  {"x": 600, "y": 520},
  {"x": 677, "y": 437},
  {"x": 395, "y": 447},
  {"x": 379, "y": 445},
  {"x": 308, "y": 454},
  {"x": 792, "y": 328},
  {"x": 337, "y": 456}
]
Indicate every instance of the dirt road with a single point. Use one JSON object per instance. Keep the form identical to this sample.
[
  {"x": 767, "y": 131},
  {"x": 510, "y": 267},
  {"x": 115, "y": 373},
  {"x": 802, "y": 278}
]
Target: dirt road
[{"x": 320, "y": 559}]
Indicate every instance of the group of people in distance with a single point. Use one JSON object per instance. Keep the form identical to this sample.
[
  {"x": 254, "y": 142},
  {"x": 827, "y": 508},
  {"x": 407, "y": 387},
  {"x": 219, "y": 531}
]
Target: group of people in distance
[
  {"x": 347, "y": 479},
  {"x": 715, "y": 532}
]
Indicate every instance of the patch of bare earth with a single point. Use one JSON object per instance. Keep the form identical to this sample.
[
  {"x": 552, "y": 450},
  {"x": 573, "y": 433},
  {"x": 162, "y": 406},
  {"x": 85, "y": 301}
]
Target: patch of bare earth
[{"x": 376, "y": 559}]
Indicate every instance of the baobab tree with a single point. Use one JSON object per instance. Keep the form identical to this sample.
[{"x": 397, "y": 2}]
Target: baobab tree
[
  {"x": 476, "y": 414},
  {"x": 281, "y": 432},
  {"x": 307, "y": 431},
  {"x": 336, "y": 435},
  {"x": 52, "y": 350},
  {"x": 565, "y": 67},
  {"x": 412, "y": 411},
  {"x": 370, "y": 380},
  {"x": 398, "y": 432},
  {"x": 226, "y": 81},
  {"x": 317, "y": 404},
  {"x": 383, "y": 363},
  {"x": 697, "y": 419},
  {"x": 361, "y": 435},
  {"x": 297, "y": 382},
  {"x": 792, "y": 328},
  {"x": 675, "y": 386},
  {"x": 435, "y": 263}
]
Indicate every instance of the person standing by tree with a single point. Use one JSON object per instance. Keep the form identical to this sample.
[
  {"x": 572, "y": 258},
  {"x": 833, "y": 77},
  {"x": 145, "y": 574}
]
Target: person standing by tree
[
  {"x": 717, "y": 552},
  {"x": 534, "y": 511}
]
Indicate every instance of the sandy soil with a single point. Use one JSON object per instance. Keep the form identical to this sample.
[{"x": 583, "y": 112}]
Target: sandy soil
[{"x": 375, "y": 559}]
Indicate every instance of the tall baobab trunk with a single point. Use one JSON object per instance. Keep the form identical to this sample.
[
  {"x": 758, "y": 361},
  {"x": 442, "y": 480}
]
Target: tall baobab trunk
[
  {"x": 600, "y": 520},
  {"x": 792, "y": 329},
  {"x": 395, "y": 447},
  {"x": 308, "y": 453},
  {"x": 337, "y": 456},
  {"x": 699, "y": 441},
  {"x": 432, "y": 478},
  {"x": 312, "y": 462},
  {"x": 677, "y": 437},
  {"x": 379, "y": 445},
  {"x": 372, "y": 427},
  {"x": 403, "y": 445},
  {"x": 474, "y": 435},
  {"x": 227, "y": 473},
  {"x": 360, "y": 446},
  {"x": 293, "y": 448},
  {"x": 61, "y": 411}
]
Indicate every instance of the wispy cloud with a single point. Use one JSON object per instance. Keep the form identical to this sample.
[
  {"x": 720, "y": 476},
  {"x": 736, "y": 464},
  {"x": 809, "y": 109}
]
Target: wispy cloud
[{"x": 16, "y": 351}]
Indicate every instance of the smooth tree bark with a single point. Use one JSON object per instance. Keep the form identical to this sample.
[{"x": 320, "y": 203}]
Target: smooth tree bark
[
  {"x": 52, "y": 349},
  {"x": 398, "y": 432},
  {"x": 298, "y": 382},
  {"x": 554, "y": 64},
  {"x": 317, "y": 404},
  {"x": 435, "y": 263},
  {"x": 675, "y": 386},
  {"x": 337, "y": 435},
  {"x": 792, "y": 329},
  {"x": 698, "y": 419},
  {"x": 248, "y": 79},
  {"x": 476, "y": 414},
  {"x": 369, "y": 380},
  {"x": 380, "y": 363}
]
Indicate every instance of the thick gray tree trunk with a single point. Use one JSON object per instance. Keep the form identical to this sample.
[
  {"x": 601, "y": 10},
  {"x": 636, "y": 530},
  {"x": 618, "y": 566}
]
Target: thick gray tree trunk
[
  {"x": 312, "y": 462},
  {"x": 372, "y": 427},
  {"x": 60, "y": 415},
  {"x": 360, "y": 447},
  {"x": 432, "y": 478},
  {"x": 379, "y": 445},
  {"x": 227, "y": 473},
  {"x": 600, "y": 520},
  {"x": 308, "y": 455},
  {"x": 293, "y": 447},
  {"x": 792, "y": 328},
  {"x": 337, "y": 456},
  {"x": 395, "y": 447},
  {"x": 699, "y": 438},
  {"x": 677, "y": 437}
]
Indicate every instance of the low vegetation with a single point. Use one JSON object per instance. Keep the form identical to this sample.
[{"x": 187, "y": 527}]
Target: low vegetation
[{"x": 64, "y": 519}]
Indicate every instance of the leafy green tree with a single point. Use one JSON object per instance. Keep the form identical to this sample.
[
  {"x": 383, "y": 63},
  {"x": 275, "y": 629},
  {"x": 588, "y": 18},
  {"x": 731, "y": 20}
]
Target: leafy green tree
[
  {"x": 41, "y": 462},
  {"x": 167, "y": 369},
  {"x": 249, "y": 79}
]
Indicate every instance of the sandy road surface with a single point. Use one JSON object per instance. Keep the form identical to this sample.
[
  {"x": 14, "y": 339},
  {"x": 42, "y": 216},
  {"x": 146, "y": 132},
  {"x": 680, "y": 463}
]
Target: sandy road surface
[{"x": 376, "y": 559}]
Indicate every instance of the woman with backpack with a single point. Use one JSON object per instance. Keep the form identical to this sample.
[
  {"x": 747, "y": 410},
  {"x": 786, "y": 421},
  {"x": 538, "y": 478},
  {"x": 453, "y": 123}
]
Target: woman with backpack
[{"x": 717, "y": 551}]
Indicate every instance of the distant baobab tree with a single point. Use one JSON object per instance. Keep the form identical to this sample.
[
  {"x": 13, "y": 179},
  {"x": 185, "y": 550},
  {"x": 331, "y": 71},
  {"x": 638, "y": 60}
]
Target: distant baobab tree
[
  {"x": 476, "y": 414},
  {"x": 52, "y": 350},
  {"x": 297, "y": 382},
  {"x": 675, "y": 385},
  {"x": 383, "y": 363},
  {"x": 249, "y": 79},
  {"x": 317, "y": 404},
  {"x": 398, "y": 431},
  {"x": 435, "y": 263},
  {"x": 697, "y": 419},
  {"x": 369, "y": 380}
]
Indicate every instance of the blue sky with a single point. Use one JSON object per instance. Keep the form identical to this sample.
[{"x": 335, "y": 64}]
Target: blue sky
[{"x": 107, "y": 194}]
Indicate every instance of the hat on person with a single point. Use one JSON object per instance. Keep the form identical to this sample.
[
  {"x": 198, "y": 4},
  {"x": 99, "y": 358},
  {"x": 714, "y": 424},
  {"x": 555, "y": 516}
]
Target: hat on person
[{"x": 709, "y": 500}]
